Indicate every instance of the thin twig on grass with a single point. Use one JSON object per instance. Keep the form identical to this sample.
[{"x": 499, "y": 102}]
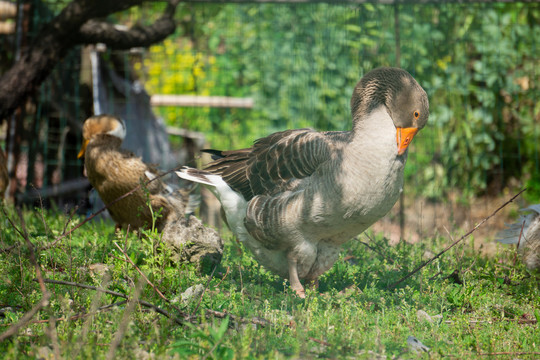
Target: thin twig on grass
[
  {"x": 125, "y": 320},
  {"x": 93, "y": 310},
  {"x": 82, "y": 316},
  {"x": 46, "y": 226},
  {"x": 392, "y": 286},
  {"x": 8, "y": 249},
  {"x": 118, "y": 294},
  {"x": 208, "y": 311},
  {"x": 53, "y": 243},
  {"x": 221, "y": 315},
  {"x": 204, "y": 290},
  {"x": 46, "y": 295},
  {"x": 128, "y": 259},
  {"x": 224, "y": 276},
  {"x": 19, "y": 231},
  {"x": 14, "y": 329},
  {"x": 521, "y": 321},
  {"x": 380, "y": 252},
  {"x": 376, "y": 251},
  {"x": 32, "y": 253},
  {"x": 185, "y": 317}
]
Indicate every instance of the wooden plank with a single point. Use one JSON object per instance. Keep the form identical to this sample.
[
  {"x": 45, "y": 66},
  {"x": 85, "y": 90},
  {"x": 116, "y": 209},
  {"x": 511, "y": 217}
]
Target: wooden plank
[
  {"x": 8, "y": 10},
  {"x": 201, "y": 101},
  {"x": 171, "y": 130},
  {"x": 65, "y": 188}
]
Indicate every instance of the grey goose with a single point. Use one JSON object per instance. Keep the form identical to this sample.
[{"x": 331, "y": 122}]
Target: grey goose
[{"x": 296, "y": 196}]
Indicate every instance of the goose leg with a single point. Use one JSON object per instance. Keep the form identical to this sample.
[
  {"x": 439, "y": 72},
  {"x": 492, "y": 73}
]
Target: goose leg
[{"x": 293, "y": 277}]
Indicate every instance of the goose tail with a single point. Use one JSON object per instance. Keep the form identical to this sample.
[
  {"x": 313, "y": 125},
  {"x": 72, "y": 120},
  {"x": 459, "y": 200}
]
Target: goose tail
[{"x": 196, "y": 175}]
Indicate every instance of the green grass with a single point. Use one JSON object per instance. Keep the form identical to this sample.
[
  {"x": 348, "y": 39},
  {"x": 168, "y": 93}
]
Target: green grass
[{"x": 491, "y": 307}]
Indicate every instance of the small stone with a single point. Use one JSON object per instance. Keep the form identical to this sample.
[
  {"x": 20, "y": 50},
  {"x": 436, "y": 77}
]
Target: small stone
[
  {"x": 416, "y": 345},
  {"x": 98, "y": 268},
  {"x": 422, "y": 316},
  {"x": 192, "y": 292},
  {"x": 193, "y": 242},
  {"x": 427, "y": 255}
]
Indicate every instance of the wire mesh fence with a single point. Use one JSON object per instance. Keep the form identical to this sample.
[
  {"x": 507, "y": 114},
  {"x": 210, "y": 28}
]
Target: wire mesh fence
[{"x": 294, "y": 65}]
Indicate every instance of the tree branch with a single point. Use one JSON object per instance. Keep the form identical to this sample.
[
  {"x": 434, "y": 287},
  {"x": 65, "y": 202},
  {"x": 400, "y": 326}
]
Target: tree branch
[
  {"x": 73, "y": 26},
  {"x": 94, "y": 31}
]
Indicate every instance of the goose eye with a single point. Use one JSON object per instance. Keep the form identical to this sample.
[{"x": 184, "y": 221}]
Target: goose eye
[{"x": 416, "y": 114}]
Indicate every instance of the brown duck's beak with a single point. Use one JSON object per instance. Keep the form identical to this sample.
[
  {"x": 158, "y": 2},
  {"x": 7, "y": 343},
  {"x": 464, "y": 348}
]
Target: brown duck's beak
[
  {"x": 404, "y": 137},
  {"x": 83, "y": 148}
]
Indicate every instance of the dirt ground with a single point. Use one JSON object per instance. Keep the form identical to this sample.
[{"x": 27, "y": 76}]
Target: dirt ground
[{"x": 451, "y": 218}]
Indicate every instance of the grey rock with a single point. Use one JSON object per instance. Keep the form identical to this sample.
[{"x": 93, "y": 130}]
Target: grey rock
[{"x": 193, "y": 242}]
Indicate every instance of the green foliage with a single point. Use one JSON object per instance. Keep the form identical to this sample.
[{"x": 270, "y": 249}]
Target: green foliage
[
  {"x": 482, "y": 100},
  {"x": 211, "y": 338},
  {"x": 300, "y": 63},
  {"x": 490, "y": 306}
]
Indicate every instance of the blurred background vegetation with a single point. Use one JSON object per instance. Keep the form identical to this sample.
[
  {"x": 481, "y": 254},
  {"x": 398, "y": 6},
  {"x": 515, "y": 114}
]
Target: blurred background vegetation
[
  {"x": 479, "y": 64},
  {"x": 299, "y": 62}
]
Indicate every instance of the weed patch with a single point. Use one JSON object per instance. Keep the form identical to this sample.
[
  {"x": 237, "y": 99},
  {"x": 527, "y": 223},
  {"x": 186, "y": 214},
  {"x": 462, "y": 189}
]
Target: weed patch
[{"x": 100, "y": 305}]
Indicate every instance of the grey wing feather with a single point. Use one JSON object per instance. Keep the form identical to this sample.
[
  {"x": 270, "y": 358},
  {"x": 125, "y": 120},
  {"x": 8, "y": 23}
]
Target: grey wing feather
[{"x": 274, "y": 162}]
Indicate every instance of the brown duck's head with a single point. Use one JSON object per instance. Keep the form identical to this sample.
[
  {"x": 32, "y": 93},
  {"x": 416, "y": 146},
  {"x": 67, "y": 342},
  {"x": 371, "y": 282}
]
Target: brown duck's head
[
  {"x": 101, "y": 124},
  {"x": 405, "y": 100}
]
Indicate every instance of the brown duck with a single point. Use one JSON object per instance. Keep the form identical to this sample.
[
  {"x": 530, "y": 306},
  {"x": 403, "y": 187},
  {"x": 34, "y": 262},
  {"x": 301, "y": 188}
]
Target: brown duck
[
  {"x": 113, "y": 172},
  {"x": 296, "y": 196}
]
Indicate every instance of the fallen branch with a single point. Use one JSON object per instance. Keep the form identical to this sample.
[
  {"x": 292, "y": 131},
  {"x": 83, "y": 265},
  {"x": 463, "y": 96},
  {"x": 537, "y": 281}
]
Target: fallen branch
[
  {"x": 14, "y": 329},
  {"x": 118, "y": 294},
  {"x": 185, "y": 317},
  {"x": 392, "y": 286},
  {"x": 82, "y": 315},
  {"x": 128, "y": 259},
  {"x": 221, "y": 315}
]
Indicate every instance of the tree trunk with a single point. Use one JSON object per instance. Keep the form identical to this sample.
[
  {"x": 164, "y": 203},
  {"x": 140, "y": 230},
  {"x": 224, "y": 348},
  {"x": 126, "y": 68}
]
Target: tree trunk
[{"x": 73, "y": 26}]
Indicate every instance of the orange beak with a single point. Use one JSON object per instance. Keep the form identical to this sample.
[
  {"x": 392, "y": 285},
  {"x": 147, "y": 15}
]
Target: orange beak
[
  {"x": 83, "y": 149},
  {"x": 404, "y": 137}
]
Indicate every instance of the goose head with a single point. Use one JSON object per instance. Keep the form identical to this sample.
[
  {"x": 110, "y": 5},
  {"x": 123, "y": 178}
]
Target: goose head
[
  {"x": 101, "y": 125},
  {"x": 404, "y": 99}
]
